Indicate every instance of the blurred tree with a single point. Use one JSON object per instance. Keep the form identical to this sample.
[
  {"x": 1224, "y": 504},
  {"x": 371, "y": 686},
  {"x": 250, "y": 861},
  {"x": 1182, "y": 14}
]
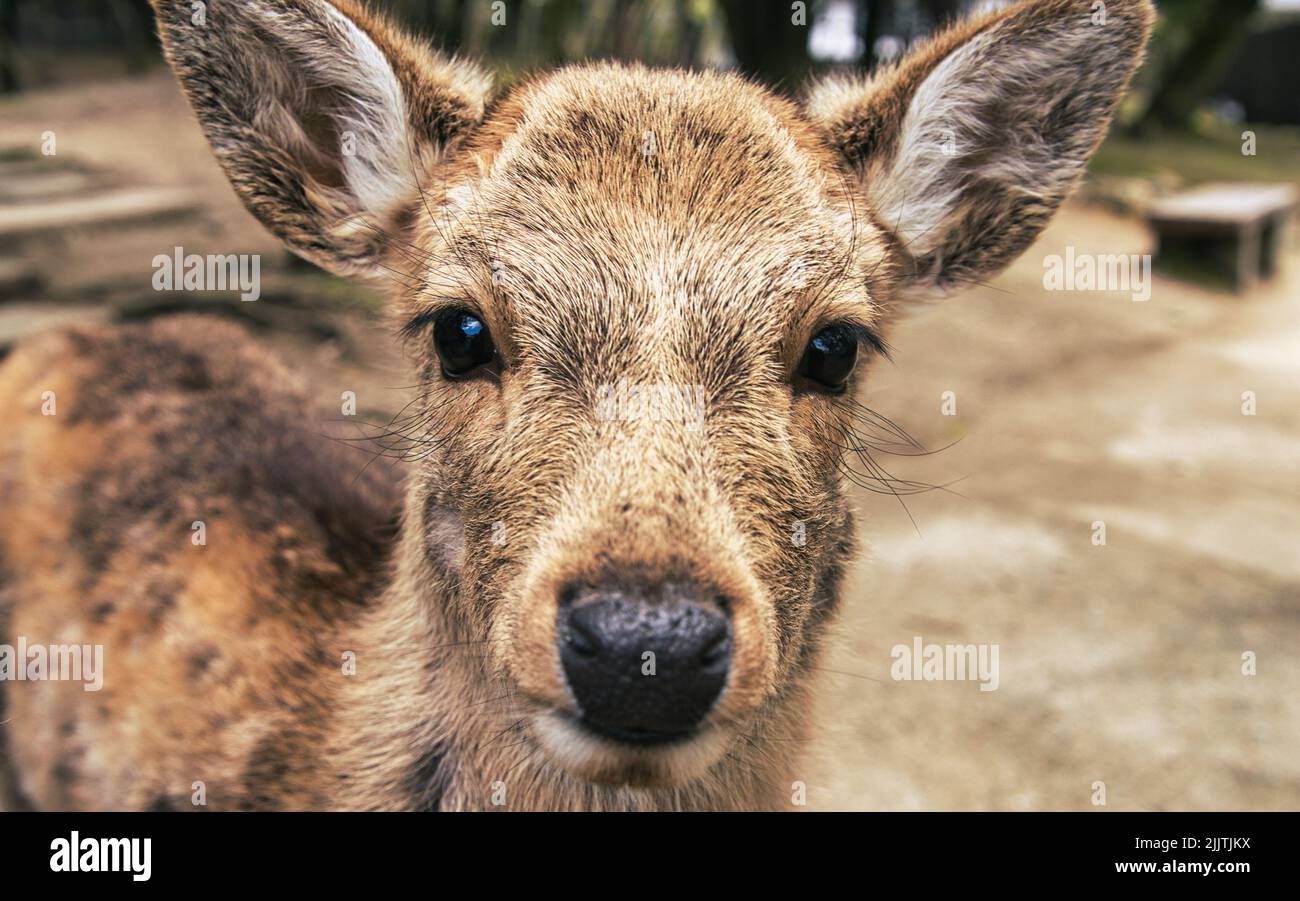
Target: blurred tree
[
  {"x": 767, "y": 42},
  {"x": 8, "y": 46},
  {"x": 134, "y": 21},
  {"x": 872, "y": 18},
  {"x": 941, "y": 12},
  {"x": 906, "y": 20},
  {"x": 1197, "y": 41}
]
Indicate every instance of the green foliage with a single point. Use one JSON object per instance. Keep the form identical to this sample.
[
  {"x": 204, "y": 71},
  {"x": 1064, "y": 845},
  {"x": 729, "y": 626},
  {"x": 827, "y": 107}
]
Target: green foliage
[{"x": 1210, "y": 154}]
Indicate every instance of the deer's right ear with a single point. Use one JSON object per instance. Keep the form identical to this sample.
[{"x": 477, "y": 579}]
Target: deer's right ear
[
  {"x": 966, "y": 148},
  {"x": 322, "y": 114}
]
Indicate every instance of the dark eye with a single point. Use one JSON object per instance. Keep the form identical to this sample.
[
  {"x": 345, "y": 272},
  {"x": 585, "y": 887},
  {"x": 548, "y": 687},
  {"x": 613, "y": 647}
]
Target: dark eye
[
  {"x": 830, "y": 356},
  {"x": 462, "y": 342}
]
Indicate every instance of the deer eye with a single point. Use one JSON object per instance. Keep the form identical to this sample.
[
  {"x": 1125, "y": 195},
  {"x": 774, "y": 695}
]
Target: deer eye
[
  {"x": 830, "y": 357},
  {"x": 462, "y": 341}
]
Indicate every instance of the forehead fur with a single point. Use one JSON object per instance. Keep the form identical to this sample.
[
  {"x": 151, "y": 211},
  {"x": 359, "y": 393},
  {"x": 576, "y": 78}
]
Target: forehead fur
[{"x": 696, "y": 193}]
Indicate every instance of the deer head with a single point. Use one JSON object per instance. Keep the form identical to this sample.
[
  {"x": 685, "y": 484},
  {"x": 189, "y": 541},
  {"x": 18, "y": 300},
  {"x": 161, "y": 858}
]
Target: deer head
[{"x": 639, "y": 303}]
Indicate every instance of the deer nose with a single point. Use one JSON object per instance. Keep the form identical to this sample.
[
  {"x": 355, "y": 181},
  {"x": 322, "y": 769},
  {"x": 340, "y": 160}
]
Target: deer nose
[{"x": 645, "y": 665}]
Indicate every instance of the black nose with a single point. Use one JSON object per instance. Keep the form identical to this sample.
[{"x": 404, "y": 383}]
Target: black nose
[{"x": 645, "y": 665}]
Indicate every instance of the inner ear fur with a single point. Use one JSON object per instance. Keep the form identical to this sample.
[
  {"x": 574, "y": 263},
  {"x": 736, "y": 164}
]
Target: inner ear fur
[
  {"x": 968, "y": 145},
  {"x": 322, "y": 114}
]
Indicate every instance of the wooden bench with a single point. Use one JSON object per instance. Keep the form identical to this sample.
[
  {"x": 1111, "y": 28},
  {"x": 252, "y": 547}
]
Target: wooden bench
[{"x": 1233, "y": 230}]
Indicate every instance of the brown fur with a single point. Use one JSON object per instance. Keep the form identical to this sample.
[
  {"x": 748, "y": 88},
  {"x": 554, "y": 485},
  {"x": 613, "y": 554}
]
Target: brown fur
[
  {"x": 156, "y": 427},
  {"x": 710, "y": 260}
]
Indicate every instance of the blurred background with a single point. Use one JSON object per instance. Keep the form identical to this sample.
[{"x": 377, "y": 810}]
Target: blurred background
[{"x": 1174, "y": 422}]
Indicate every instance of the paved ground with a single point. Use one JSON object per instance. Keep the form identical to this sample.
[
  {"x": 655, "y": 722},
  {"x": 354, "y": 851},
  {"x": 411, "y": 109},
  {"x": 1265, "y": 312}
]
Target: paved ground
[{"x": 1118, "y": 664}]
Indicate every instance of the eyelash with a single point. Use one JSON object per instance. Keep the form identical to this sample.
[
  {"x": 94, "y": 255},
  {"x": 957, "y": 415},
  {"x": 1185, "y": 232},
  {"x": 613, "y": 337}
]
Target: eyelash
[
  {"x": 421, "y": 323},
  {"x": 869, "y": 339}
]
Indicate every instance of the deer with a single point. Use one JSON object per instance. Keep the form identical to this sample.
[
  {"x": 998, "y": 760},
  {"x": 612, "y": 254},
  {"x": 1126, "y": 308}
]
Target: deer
[{"x": 550, "y": 602}]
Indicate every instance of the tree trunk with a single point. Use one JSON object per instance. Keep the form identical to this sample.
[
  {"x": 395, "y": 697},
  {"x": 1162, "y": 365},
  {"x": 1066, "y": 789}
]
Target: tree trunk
[
  {"x": 8, "y": 46},
  {"x": 871, "y": 25},
  {"x": 767, "y": 43}
]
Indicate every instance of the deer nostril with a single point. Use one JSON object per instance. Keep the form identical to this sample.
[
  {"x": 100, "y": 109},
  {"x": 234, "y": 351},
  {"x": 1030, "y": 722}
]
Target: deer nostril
[
  {"x": 718, "y": 654},
  {"x": 579, "y": 640}
]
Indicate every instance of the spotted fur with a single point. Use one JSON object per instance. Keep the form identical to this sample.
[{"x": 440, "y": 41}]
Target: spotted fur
[{"x": 609, "y": 223}]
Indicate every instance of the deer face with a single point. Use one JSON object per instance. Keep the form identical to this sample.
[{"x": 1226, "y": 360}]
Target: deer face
[
  {"x": 639, "y": 321},
  {"x": 639, "y": 303}
]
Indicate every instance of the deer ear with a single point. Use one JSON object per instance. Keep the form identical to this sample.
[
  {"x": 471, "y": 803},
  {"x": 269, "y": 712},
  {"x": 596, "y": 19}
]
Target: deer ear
[
  {"x": 966, "y": 148},
  {"x": 322, "y": 115}
]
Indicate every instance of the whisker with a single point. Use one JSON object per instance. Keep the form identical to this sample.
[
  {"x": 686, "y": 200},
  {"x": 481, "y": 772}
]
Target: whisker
[{"x": 823, "y": 669}]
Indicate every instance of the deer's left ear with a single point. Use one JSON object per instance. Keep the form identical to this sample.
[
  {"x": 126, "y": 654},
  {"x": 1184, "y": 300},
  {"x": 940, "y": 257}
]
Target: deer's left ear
[{"x": 966, "y": 148}]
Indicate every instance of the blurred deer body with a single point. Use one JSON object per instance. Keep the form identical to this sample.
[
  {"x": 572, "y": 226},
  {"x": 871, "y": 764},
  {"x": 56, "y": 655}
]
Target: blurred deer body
[{"x": 583, "y": 608}]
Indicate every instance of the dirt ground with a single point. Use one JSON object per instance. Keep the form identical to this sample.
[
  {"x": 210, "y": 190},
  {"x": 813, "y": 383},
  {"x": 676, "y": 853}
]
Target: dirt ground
[{"x": 1119, "y": 664}]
